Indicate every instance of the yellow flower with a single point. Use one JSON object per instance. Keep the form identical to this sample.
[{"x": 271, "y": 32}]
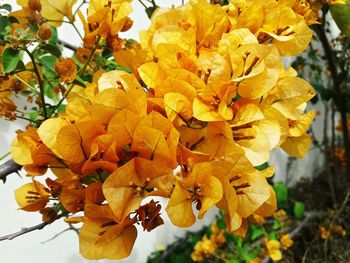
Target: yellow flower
[
  {"x": 200, "y": 187},
  {"x": 325, "y": 234},
  {"x": 286, "y": 241},
  {"x": 32, "y": 196},
  {"x": 203, "y": 249},
  {"x": 339, "y": 230},
  {"x": 280, "y": 214},
  {"x": 273, "y": 249},
  {"x": 332, "y": 2}
]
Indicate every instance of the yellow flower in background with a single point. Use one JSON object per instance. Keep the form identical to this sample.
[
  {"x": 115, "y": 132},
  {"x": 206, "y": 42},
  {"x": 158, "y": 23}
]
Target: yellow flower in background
[
  {"x": 286, "y": 241},
  {"x": 339, "y": 230},
  {"x": 273, "y": 249},
  {"x": 325, "y": 234},
  {"x": 280, "y": 214}
]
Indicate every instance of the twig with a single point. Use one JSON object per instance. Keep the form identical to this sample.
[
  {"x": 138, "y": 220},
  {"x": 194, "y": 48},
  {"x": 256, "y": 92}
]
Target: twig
[
  {"x": 28, "y": 229},
  {"x": 24, "y": 231},
  {"x": 335, "y": 217},
  {"x": 71, "y": 227},
  {"x": 8, "y": 168},
  {"x": 67, "y": 45},
  {"x": 40, "y": 82}
]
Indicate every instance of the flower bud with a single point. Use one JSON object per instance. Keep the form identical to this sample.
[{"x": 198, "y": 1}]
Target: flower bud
[
  {"x": 44, "y": 32},
  {"x": 34, "y": 5}
]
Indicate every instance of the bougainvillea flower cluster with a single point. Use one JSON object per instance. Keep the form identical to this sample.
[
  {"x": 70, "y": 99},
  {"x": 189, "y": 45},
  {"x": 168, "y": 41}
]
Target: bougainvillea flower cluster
[{"x": 207, "y": 101}]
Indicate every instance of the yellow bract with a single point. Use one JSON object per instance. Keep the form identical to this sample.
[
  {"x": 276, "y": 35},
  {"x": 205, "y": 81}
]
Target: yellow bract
[{"x": 208, "y": 96}]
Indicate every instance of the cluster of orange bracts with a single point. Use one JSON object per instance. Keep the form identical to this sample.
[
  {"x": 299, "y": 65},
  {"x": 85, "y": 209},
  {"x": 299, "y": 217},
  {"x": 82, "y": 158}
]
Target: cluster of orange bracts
[{"x": 209, "y": 98}]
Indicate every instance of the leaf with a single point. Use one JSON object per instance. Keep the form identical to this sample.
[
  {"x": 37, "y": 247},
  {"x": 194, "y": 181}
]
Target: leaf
[
  {"x": 257, "y": 233},
  {"x": 51, "y": 49},
  {"x": 262, "y": 166},
  {"x": 54, "y": 36},
  {"x": 10, "y": 58},
  {"x": 281, "y": 191},
  {"x": 299, "y": 209},
  {"x": 340, "y": 14},
  {"x": 6, "y": 7}
]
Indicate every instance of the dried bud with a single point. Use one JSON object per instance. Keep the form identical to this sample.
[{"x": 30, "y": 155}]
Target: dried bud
[
  {"x": 115, "y": 43},
  {"x": 127, "y": 25},
  {"x": 34, "y": 5},
  {"x": 44, "y": 32},
  {"x": 49, "y": 215},
  {"x": 66, "y": 69}
]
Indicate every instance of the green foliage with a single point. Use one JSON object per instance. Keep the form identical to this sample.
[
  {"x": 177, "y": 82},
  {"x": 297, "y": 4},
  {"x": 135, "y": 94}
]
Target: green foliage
[
  {"x": 299, "y": 209},
  {"x": 10, "y": 58},
  {"x": 281, "y": 191},
  {"x": 340, "y": 14}
]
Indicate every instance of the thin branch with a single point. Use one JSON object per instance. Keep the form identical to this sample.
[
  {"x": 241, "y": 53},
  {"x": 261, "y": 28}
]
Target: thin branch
[
  {"x": 40, "y": 82},
  {"x": 28, "y": 229},
  {"x": 335, "y": 217},
  {"x": 24, "y": 231},
  {"x": 71, "y": 227},
  {"x": 67, "y": 45},
  {"x": 9, "y": 167}
]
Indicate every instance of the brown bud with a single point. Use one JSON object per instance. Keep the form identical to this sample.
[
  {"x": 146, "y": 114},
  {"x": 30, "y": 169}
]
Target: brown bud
[
  {"x": 44, "y": 32},
  {"x": 127, "y": 25},
  {"x": 49, "y": 215},
  {"x": 34, "y": 5}
]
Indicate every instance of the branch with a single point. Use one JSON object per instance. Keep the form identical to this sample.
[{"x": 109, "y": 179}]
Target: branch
[
  {"x": 24, "y": 231},
  {"x": 67, "y": 45},
  {"x": 340, "y": 99},
  {"x": 8, "y": 168},
  {"x": 29, "y": 229}
]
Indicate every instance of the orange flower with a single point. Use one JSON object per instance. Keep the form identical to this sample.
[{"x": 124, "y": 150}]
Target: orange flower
[
  {"x": 32, "y": 196},
  {"x": 200, "y": 187},
  {"x": 139, "y": 178}
]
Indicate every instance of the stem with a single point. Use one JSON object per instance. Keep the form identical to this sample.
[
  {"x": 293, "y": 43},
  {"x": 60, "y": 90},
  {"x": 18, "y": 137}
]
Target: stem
[
  {"x": 76, "y": 29},
  {"x": 67, "y": 45},
  {"x": 28, "y": 230},
  {"x": 40, "y": 82},
  {"x": 4, "y": 156},
  {"x": 80, "y": 73},
  {"x": 27, "y": 84},
  {"x": 27, "y": 119},
  {"x": 142, "y": 3},
  {"x": 340, "y": 99}
]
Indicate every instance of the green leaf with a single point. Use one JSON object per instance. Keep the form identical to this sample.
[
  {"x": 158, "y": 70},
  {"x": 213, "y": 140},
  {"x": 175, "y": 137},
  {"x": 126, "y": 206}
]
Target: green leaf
[
  {"x": 33, "y": 115},
  {"x": 281, "y": 191},
  {"x": 51, "y": 49},
  {"x": 10, "y": 58},
  {"x": 54, "y": 36},
  {"x": 272, "y": 236},
  {"x": 299, "y": 209},
  {"x": 276, "y": 225},
  {"x": 4, "y": 22},
  {"x": 340, "y": 14},
  {"x": 48, "y": 61},
  {"x": 221, "y": 223},
  {"x": 6, "y": 7},
  {"x": 257, "y": 233},
  {"x": 262, "y": 166}
]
